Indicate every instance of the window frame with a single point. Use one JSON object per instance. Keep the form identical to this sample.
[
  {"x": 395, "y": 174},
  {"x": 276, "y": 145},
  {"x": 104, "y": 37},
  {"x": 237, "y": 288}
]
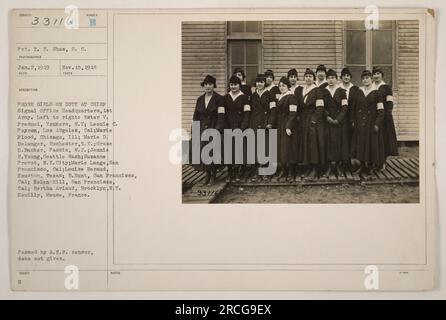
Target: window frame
[
  {"x": 244, "y": 37},
  {"x": 369, "y": 49}
]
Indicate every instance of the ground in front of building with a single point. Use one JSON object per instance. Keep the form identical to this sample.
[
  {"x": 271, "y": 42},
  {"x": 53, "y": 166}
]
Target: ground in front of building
[{"x": 342, "y": 193}]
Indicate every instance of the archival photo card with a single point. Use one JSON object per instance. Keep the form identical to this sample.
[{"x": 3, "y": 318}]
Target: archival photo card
[{"x": 222, "y": 149}]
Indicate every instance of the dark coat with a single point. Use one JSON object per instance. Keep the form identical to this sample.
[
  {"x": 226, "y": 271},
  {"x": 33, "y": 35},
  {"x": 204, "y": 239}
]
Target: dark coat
[
  {"x": 287, "y": 146},
  {"x": 237, "y": 114},
  {"x": 299, "y": 126},
  {"x": 275, "y": 91},
  {"x": 312, "y": 142},
  {"x": 246, "y": 89},
  {"x": 209, "y": 117},
  {"x": 237, "y": 111},
  {"x": 323, "y": 85},
  {"x": 368, "y": 111},
  {"x": 348, "y": 128},
  {"x": 389, "y": 133},
  {"x": 263, "y": 113},
  {"x": 336, "y": 107}
]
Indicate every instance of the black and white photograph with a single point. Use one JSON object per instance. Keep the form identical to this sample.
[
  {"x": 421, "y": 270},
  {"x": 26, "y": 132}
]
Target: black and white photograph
[
  {"x": 310, "y": 132},
  {"x": 300, "y": 111}
]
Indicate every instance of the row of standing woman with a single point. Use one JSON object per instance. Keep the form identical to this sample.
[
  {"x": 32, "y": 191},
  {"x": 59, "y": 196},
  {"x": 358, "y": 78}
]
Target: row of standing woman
[{"x": 324, "y": 126}]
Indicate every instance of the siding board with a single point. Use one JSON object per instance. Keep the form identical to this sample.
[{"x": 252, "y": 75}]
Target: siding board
[
  {"x": 203, "y": 52},
  {"x": 406, "y": 112},
  {"x": 301, "y": 45}
]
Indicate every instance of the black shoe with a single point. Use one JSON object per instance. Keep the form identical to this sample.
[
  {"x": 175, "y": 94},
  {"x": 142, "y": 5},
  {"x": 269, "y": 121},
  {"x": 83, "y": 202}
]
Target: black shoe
[
  {"x": 207, "y": 179},
  {"x": 256, "y": 176},
  {"x": 211, "y": 180},
  {"x": 311, "y": 175},
  {"x": 328, "y": 172},
  {"x": 291, "y": 174},
  {"x": 305, "y": 172},
  {"x": 230, "y": 176},
  {"x": 283, "y": 175},
  {"x": 366, "y": 174},
  {"x": 359, "y": 170},
  {"x": 340, "y": 169}
]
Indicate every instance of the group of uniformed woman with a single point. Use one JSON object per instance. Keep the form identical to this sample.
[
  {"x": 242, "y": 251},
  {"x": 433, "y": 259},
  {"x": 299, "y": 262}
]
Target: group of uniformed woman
[{"x": 323, "y": 127}]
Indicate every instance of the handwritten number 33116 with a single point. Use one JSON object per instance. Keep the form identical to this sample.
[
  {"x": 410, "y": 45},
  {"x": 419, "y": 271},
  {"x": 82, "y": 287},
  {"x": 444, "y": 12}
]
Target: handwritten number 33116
[{"x": 47, "y": 21}]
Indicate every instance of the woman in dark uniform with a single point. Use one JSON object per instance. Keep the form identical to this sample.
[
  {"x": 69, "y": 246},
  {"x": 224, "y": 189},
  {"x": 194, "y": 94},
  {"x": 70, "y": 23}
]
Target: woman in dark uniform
[
  {"x": 336, "y": 105},
  {"x": 237, "y": 111},
  {"x": 245, "y": 88},
  {"x": 347, "y": 133},
  {"x": 263, "y": 114},
  {"x": 312, "y": 144},
  {"x": 287, "y": 106},
  {"x": 389, "y": 133},
  {"x": 270, "y": 86},
  {"x": 209, "y": 111},
  {"x": 321, "y": 75},
  {"x": 294, "y": 78},
  {"x": 368, "y": 115}
]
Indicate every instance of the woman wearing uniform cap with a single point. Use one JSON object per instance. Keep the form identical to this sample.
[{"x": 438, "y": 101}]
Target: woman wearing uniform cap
[
  {"x": 293, "y": 77},
  {"x": 287, "y": 106},
  {"x": 347, "y": 129},
  {"x": 336, "y": 105},
  {"x": 209, "y": 111},
  {"x": 263, "y": 114},
  {"x": 368, "y": 116},
  {"x": 237, "y": 111},
  {"x": 240, "y": 73},
  {"x": 389, "y": 133},
  {"x": 312, "y": 142},
  {"x": 321, "y": 75},
  {"x": 270, "y": 86}
]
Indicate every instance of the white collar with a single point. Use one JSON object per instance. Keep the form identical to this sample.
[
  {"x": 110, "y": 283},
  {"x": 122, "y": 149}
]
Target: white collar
[
  {"x": 294, "y": 88},
  {"x": 308, "y": 89},
  {"x": 332, "y": 92},
  {"x": 206, "y": 103},
  {"x": 272, "y": 85},
  {"x": 236, "y": 96},
  {"x": 261, "y": 93},
  {"x": 378, "y": 85},
  {"x": 349, "y": 86},
  {"x": 285, "y": 94},
  {"x": 366, "y": 93},
  {"x": 347, "y": 89},
  {"x": 321, "y": 83}
]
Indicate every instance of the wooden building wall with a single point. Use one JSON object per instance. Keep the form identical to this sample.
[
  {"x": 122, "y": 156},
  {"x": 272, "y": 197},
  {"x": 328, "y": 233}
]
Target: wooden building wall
[
  {"x": 203, "y": 52},
  {"x": 298, "y": 44},
  {"x": 301, "y": 44},
  {"x": 407, "y": 90}
]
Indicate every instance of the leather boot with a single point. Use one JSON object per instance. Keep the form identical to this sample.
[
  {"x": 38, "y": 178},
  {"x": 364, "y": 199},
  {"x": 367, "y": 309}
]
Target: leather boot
[
  {"x": 230, "y": 173},
  {"x": 256, "y": 175},
  {"x": 213, "y": 176},
  {"x": 208, "y": 177},
  {"x": 312, "y": 173},
  {"x": 291, "y": 173},
  {"x": 284, "y": 173}
]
